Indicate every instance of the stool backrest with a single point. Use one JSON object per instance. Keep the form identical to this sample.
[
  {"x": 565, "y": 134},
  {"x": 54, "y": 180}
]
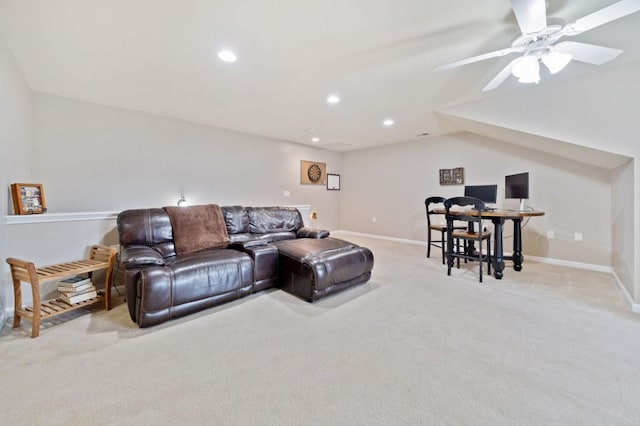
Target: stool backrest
[
  {"x": 474, "y": 215},
  {"x": 429, "y": 208}
]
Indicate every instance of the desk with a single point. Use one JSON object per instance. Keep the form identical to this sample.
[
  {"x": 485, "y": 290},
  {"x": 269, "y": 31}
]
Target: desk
[{"x": 498, "y": 217}]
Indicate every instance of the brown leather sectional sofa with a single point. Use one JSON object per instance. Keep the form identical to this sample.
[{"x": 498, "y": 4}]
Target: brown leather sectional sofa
[{"x": 266, "y": 247}]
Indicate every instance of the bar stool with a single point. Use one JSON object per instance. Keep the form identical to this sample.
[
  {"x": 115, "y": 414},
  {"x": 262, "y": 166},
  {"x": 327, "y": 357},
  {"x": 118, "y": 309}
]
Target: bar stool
[
  {"x": 442, "y": 228},
  {"x": 472, "y": 217}
]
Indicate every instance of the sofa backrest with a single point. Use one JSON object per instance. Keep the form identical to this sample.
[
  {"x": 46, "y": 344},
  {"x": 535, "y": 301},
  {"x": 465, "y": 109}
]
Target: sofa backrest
[
  {"x": 152, "y": 227},
  {"x": 263, "y": 220},
  {"x": 236, "y": 218},
  {"x": 147, "y": 227}
]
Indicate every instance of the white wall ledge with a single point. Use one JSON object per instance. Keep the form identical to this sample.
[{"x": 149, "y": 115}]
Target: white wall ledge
[
  {"x": 59, "y": 217},
  {"x": 83, "y": 216}
]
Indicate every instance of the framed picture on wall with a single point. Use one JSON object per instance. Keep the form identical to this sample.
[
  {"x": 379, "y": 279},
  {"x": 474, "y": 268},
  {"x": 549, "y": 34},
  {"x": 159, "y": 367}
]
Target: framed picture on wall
[
  {"x": 452, "y": 176},
  {"x": 313, "y": 173},
  {"x": 333, "y": 182},
  {"x": 28, "y": 198}
]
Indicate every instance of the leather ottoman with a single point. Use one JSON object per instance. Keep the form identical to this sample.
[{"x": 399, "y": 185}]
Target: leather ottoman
[{"x": 315, "y": 268}]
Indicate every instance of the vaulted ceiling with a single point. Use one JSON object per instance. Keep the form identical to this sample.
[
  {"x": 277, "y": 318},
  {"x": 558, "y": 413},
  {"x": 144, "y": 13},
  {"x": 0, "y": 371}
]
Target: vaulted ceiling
[{"x": 377, "y": 55}]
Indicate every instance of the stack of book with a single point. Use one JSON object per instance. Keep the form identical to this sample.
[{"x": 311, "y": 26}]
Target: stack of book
[{"x": 76, "y": 289}]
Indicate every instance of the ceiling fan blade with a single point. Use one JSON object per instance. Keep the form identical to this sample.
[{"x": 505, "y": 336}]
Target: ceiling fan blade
[
  {"x": 500, "y": 77},
  {"x": 603, "y": 16},
  {"x": 589, "y": 53},
  {"x": 494, "y": 54},
  {"x": 531, "y": 15}
]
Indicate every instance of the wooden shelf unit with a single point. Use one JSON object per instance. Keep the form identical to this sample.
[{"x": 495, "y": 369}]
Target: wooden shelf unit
[{"x": 100, "y": 257}]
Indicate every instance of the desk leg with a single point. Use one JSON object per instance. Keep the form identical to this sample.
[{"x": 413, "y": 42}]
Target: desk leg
[
  {"x": 470, "y": 245},
  {"x": 498, "y": 251},
  {"x": 517, "y": 244}
]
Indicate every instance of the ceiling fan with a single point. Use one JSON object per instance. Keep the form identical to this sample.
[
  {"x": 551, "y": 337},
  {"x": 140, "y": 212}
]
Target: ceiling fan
[{"x": 538, "y": 41}]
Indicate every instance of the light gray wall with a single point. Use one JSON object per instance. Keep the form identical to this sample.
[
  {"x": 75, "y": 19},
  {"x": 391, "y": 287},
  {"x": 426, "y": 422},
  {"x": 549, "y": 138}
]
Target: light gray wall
[
  {"x": 15, "y": 151},
  {"x": 97, "y": 158},
  {"x": 392, "y": 182},
  {"x": 49, "y": 243},
  {"x": 622, "y": 224}
]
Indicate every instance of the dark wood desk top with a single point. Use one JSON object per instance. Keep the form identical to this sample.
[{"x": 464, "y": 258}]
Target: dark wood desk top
[{"x": 503, "y": 213}]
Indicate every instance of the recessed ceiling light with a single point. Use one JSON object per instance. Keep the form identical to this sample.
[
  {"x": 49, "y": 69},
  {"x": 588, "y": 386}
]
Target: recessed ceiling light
[
  {"x": 315, "y": 139},
  {"x": 388, "y": 122},
  {"x": 227, "y": 56},
  {"x": 333, "y": 99}
]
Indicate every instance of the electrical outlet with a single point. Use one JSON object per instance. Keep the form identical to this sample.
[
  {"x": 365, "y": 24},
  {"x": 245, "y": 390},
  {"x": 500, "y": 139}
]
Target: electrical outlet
[
  {"x": 373, "y": 219},
  {"x": 578, "y": 236},
  {"x": 286, "y": 193},
  {"x": 550, "y": 233}
]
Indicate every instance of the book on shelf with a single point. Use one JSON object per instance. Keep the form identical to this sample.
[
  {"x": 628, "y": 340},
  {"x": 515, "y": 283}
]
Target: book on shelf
[
  {"x": 75, "y": 290},
  {"x": 74, "y": 281},
  {"x": 80, "y": 297}
]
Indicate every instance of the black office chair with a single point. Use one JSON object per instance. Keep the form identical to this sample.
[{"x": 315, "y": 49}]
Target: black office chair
[
  {"x": 436, "y": 226},
  {"x": 469, "y": 235}
]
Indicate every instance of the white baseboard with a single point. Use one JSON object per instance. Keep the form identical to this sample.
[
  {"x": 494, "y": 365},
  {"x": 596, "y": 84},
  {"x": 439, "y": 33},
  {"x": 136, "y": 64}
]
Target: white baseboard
[
  {"x": 635, "y": 307},
  {"x": 571, "y": 264},
  {"x": 548, "y": 260},
  {"x": 383, "y": 237},
  {"x": 6, "y": 314}
]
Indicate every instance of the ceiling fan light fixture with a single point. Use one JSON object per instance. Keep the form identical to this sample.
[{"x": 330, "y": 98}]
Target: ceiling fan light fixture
[
  {"x": 527, "y": 69},
  {"x": 539, "y": 33},
  {"x": 556, "y": 61}
]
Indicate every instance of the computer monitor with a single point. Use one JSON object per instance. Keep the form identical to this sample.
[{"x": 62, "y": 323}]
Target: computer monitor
[
  {"x": 517, "y": 186},
  {"x": 486, "y": 193}
]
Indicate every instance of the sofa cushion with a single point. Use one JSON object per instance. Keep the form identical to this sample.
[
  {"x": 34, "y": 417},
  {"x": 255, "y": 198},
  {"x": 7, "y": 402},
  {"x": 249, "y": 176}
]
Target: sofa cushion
[
  {"x": 236, "y": 218},
  {"x": 263, "y": 220},
  {"x": 197, "y": 228},
  {"x": 191, "y": 282}
]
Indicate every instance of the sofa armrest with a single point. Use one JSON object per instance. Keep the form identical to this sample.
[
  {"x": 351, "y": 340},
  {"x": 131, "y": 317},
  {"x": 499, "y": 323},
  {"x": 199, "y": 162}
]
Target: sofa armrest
[
  {"x": 140, "y": 256},
  {"x": 242, "y": 245},
  {"x": 305, "y": 232}
]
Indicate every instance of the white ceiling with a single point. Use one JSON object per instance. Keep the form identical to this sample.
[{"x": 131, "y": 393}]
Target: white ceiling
[{"x": 159, "y": 56}]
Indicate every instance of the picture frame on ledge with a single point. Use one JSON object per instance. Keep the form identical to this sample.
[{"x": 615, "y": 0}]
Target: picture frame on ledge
[
  {"x": 333, "y": 182},
  {"x": 28, "y": 198}
]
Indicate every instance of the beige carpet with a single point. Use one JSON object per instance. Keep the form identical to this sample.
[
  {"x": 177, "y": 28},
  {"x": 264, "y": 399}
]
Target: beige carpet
[{"x": 548, "y": 345}]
